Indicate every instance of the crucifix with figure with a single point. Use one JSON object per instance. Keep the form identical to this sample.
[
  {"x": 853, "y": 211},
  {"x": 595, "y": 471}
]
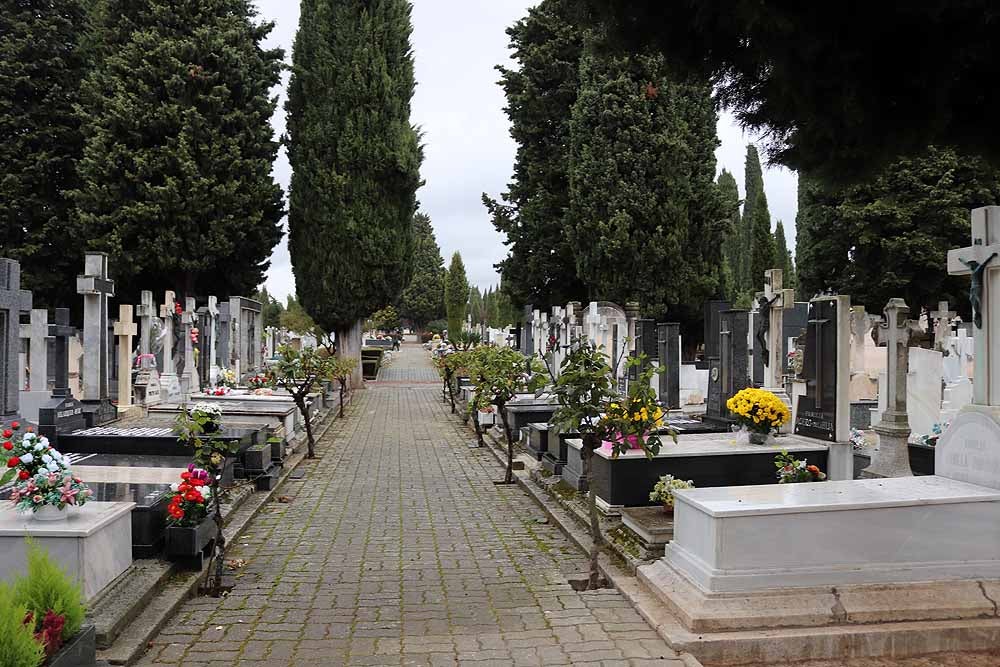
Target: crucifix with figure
[
  {"x": 980, "y": 262},
  {"x": 777, "y": 301}
]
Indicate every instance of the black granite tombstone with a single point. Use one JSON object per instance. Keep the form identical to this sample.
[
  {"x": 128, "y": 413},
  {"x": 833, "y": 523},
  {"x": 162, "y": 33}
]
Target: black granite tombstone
[
  {"x": 730, "y": 372},
  {"x": 816, "y": 415},
  {"x": 757, "y": 354},
  {"x": 668, "y": 342},
  {"x": 527, "y": 342},
  {"x": 63, "y": 413},
  {"x": 712, "y": 311}
]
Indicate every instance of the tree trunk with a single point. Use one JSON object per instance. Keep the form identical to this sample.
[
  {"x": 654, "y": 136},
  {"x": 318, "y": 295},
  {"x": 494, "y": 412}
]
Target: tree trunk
[
  {"x": 349, "y": 347},
  {"x": 509, "y": 477},
  {"x": 589, "y": 445},
  {"x": 479, "y": 430},
  {"x": 220, "y": 536},
  {"x": 451, "y": 393},
  {"x": 300, "y": 401},
  {"x": 341, "y": 383}
]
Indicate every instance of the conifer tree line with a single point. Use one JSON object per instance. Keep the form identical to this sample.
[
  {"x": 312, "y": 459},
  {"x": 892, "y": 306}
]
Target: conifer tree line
[{"x": 140, "y": 128}]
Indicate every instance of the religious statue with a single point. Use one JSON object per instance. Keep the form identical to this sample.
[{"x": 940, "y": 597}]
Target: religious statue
[
  {"x": 976, "y": 290},
  {"x": 764, "y": 324}
]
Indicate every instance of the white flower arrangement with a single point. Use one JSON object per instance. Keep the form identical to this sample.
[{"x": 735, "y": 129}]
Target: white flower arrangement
[
  {"x": 210, "y": 409},
  {"x": 663, "y": 492}
]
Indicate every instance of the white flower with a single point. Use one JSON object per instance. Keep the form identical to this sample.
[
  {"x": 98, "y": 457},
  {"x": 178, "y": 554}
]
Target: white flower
[
  {"x": 45, "y": 458},
  {"x": 54, "y": 454},
  {"x": 53, "y": 466},
  {"x": 44, "y": 441},
  {"x": 39, "y": 446},
  {"x": 27, "y": 458},
  {"x": 174, "y": 487}
]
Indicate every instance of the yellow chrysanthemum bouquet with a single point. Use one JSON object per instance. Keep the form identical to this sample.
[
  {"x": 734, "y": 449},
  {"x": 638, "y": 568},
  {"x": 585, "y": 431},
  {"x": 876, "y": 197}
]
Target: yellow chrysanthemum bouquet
[{"x": 759, "y": 410}]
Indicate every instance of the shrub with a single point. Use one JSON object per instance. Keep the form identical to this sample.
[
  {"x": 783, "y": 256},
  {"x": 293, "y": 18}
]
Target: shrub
[
  {"x": 437, "y": 326},
  {"x": 18, "y": 647},
  {"x": 48, "y": 587}
]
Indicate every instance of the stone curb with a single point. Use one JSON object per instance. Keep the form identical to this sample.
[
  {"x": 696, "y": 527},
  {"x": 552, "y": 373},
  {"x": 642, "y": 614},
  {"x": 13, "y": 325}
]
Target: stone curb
[
  {"x": 132, "y": 643},
  {"x": 628, "y": 585}
]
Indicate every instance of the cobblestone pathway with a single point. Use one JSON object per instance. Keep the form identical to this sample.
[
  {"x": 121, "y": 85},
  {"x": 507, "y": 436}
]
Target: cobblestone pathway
[{"x": 398, "y": 549}]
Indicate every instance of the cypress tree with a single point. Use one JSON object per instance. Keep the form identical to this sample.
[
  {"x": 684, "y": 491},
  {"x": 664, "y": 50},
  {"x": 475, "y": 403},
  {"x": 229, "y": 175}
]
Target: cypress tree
[
  {"x": 642, "y": 184},
  {"x": 756, "y": 225},
  {"x": 476, "y": 306},
  {"x": 456, "y": 295},
  {"x": 783, "y": 256},
  {"x": 423, "y": 299},
  {"x": 41, "y": 66},
  {"x": 176, "y": 177},
  {"x": 355, "y": 158},
  {"x": 540, "y": 267},
  {"x": 733, "y": 253}
]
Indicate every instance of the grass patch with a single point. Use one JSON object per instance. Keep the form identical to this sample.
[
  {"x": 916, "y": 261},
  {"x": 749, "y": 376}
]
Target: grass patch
[
  {"x": 564, "y": 491},
  {"x": 625, "y": 539},
  {"x": 545, "y": 473}
]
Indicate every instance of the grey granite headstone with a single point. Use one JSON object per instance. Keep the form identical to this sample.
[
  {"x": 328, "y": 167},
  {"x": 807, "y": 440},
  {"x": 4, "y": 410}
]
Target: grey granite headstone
[
  {"x": 669, "y": 343},
  {"x": 13, "y": 301},
  {"x": 712, "y": 314},
  {"x": 223, "y": 347},
  {"x": 63, "y": 413}
]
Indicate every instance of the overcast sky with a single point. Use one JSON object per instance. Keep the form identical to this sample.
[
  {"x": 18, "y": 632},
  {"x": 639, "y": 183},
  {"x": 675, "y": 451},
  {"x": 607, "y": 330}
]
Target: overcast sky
[{"x": 468, "y": 150}]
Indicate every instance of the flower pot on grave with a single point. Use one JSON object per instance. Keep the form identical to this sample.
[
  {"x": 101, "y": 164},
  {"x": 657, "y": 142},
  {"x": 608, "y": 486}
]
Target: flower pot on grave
[
  {"x": 51, "y": 513},
  {"x": 759, "y": 438},
  {"x": 80, "y": 650},
  {"x": 211, "y": 426},
  {"x": 668, "y": 509},
  {"x": 186, "y": 542}
]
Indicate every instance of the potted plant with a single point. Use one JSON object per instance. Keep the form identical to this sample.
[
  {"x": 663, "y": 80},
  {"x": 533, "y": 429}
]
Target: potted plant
[
  {"x": 663, "y": 492},
  {"x": 189, "y": 526},
  {"x": 793, "y": 471},
  {"x": 208, "y": 416},
  {"x": 759, "y": 412},
  {"x": 43, "y": 482},
  {"x": 227, "y": 378}
]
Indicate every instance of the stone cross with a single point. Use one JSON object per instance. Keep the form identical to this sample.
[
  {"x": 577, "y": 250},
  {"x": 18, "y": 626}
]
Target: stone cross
[
  {"x": 167, "y": 311},
  {"x": 96, "y": 287},
  {"x": 147, "y": 311},
  {"x": 38, "y": 350},
  {"x": 188, "y": 320},
  {"x": 13, "y": 301},
  {"x": 61, "y": 331},
  {"x": 125, "y": 329},
  {"x": 213, "y": 327},
  {"x": 779, "y": 301},
  {"x": 985, "y": 295},
  {"x": 861, "y": 324},
  {"x": 592, "y": 324},
  {"x": 942, "y": 324},
  {"x": 895, "y": 332}
]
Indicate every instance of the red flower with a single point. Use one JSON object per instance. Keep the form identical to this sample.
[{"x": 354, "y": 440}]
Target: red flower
[
  {"x": 8, "y": 446},
  {"x": 23, "y": 475},
  {"x": 13, "y": 461},
  {"x": 190, "y": 496},
  {"x": 185, "y": 475},
  {"x": 194, "y": 481},
  {"x": 15, "y": 425},
  {"x": 8, "y": 433}
]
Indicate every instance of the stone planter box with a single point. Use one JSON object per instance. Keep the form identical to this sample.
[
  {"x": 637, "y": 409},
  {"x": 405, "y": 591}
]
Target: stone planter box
[
  {"x": 79, "y": 651},
  {"x": 704, "y": 459},
  {"x": 187, "y": 544},
  {"x": 520, "y": 414}
]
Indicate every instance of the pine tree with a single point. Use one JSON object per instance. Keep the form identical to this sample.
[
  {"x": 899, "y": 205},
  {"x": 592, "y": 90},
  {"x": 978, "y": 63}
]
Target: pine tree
[
  {"x": 540, "y": 267},
  {"x": 642, "y": 184},
  {"x": 423, "y": 299},
  {"x": 176, "y": 179},
  {"x": 456, "y": 295},
  {"x": 41, "y": 66},
  {"x": 757, "y": 225},
  {"x": 355, "y": 158},
  {"x": 783, "y": 256},
  {"x": 733, "y": 252}
]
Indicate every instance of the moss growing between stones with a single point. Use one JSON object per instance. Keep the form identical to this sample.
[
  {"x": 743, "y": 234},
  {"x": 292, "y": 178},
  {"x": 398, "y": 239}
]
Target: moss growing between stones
[{"x": 626, "y": 540}]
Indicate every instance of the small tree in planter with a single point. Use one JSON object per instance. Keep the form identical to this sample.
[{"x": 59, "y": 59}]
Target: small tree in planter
[
  {"x": 199, "y": 429},
  {"x": 301, "y": 373},
  {"x": 341, "y": 369},
  {"x": 449, "y": 367},
  {"x": 503, "y": 372},
  {"x": 188, "y": 528}
]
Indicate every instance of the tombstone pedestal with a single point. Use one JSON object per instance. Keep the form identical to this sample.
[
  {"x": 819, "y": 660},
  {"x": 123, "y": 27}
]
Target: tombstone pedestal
[{"x": 893, "y": 457}]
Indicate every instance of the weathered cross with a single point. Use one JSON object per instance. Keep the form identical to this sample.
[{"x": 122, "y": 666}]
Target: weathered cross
[
  {"x": 980, "y": 261},
  {"x": 96, "y": 287},
  {"x": 942, "y": 328},
  {"x": 213, "y": 327},
  {"x": 167, "y": 311},
  {"x": 778, "y": 300},
  {"x": 895, "y": 333},
  {"x": 13, "y": 301},
  {"x": 61, "y": 331},
  {"x": 37, "y": 335},
  {"x": 725, "y": 360},
  {"x": 147, "y": 311},
  {"x": 188, "y": 320},
  {"x": 125, "y": 329}
]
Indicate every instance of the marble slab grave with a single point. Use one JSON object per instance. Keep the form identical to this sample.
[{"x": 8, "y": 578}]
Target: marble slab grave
[{"x": 141, "y": 440}]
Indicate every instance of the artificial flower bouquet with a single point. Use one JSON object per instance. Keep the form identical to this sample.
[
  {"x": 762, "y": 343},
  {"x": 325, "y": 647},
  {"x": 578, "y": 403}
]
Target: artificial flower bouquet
[
  {"x": 258, "y": 381},
  {"x": 189, "y": 504},
  {"x": 759, "y": 410},
  {"x": 206, "y": 415},
  {"x": 219, "y": 390},
  {"x": 41, "y": 474},
  {"x": 663, "y": 492},
  {"x": 227, "y": 378},
  {"x": 792, "y": 470}
]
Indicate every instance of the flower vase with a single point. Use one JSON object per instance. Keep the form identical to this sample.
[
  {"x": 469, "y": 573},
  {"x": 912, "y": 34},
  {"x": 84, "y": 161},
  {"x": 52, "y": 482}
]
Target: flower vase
[
  {"x": 668, "y": 509},
  {"x": 50, "y": 513},
  {"x": 211, "y": 426},
  {"x": 757, "y": 438}
]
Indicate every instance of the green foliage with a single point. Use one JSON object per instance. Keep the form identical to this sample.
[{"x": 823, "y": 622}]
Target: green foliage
[
  {"x": 757, "y": 223},
  {"x": 539, "y": 267},
  {"x": 735, "y": 249},
  {"x": 301, "y": 373},
  {"x": 423, "y": 299},
  {"x": 642, "y": 191},
  {"x": 386, "y": 319},
  {"x": 838, "y": 87},
  {"x": 18, "y": 647},
  {"x": 437, "y": 326},
  {"x": 783, "y": 257},
  {"x": 41, "y": 66},
  {"x": 47, "y": 586},
  {"x": 584, "y": 388},
  {"x": 636, "y": 416},
  {"x": 176, "y": 176},
  {"x": 295, "y": 318},
  {"x": 502, "y": 373},
  {"x": 341, "y": 368},
  {"x": 272, "y": 309},
  {"x": 465, "y": 340},
  {"x": 355, "y": 158},
  {"x": 456, "y": 295},
  {"x": 888, "y": 238}
]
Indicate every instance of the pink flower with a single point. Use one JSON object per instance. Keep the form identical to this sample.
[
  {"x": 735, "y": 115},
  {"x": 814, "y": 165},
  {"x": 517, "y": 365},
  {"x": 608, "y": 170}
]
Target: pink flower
[
  {"x": 37, "y": 499},
  {"x": 68, "y": 494}
]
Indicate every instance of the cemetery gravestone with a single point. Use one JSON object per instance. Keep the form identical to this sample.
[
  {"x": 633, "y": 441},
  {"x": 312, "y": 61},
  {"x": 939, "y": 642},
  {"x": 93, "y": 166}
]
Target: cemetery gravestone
[
  {"x": 223, "y": 350},
  {"x": 96, "y": 287},
  {"x": 63, "y": 413},
  {"x": 147, "y": 381},
  {"x": 170, "y": 383},
  {"x": 730, "y": 372},
  {"x": 190, "y": 382},
  {"x": 712, "y": 314},
  {"x": 125, "y": 329},
  {"x": 13, "y": 301},
  {"x": 37, "y": 393},
  {"x": 824, "y": 411},
  {"x": 669, "y": 354}
]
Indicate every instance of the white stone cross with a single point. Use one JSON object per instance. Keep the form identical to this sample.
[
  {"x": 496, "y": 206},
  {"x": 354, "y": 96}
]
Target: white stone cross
[
  {"x": 96, "y": 287},
  {"x": 188, "y": 320},
  {"x": 125, "y": 329},
  {"x": 592, "y": 324},
  {"x": 167, "y": 311},
  {"x": 146, "y": 312},
  {"x": 779, "y": 300},
  {"x": 13, "y": 301},
  {"x": 981, "y": 260},
  {"x": 942, "y": 328},
  {"x": 38, "y": 350},
  {"x": 213, "y": 330},
  {"x": 861, "y": 324}
]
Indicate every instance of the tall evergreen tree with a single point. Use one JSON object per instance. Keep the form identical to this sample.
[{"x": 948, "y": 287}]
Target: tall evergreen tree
[
  {"x": 476, "y": 309},
  {"x": 734, "y": 253},
  {"x": 41, "y": 66},
  {"x": 642, "y": 184},
  {"x": 176, "y": 179},
  {"x": 423, "y": 299},
  {"x": 456, "y": 295},
  {"x": 355, "y": 158},
  {"x": 783, "y": 256},
  {"x": 757, "y": 224},
  {"x": 539, "y": 267}
]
